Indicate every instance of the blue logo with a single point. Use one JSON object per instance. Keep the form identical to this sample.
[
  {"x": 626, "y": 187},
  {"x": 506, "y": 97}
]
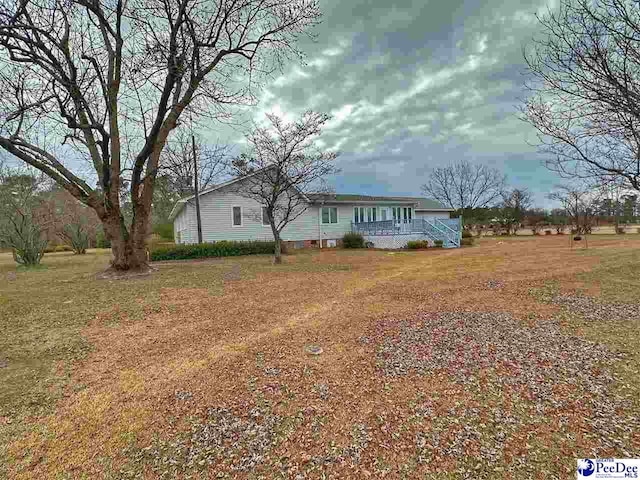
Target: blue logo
[{"x": 585, "y": 467}]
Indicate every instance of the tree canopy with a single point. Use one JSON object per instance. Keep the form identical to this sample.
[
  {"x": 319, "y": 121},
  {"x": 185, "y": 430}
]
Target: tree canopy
[
  {"x": 464, "y": 185},
  {"x": 584, "y": 89}
]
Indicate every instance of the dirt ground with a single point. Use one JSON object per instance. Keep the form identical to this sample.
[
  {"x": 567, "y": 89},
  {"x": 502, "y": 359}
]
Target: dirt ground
[{"x": 481, "y": 362}]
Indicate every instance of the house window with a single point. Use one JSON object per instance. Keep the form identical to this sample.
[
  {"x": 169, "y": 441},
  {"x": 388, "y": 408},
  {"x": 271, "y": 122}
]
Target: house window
[
  {"x": 365, "y": 214},
  {"x": 329, "y": 215},
  {"x": 407, "y": 214},
  {"x": 237, "y": 216},
  {"x": 265, "y": 217}
]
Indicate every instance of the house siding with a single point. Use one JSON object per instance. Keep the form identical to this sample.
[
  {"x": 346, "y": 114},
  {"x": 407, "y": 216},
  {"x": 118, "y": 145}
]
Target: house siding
[
  {"x": 332, "y": 231},
  {"x": 183, "y": 230},
  {"x": 216, "y": 210},
  {"x": 430, "y": 215}
]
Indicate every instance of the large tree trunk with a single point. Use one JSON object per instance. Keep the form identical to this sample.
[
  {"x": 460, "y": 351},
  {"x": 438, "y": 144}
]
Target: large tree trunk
[{"x": 128, "y": 247}]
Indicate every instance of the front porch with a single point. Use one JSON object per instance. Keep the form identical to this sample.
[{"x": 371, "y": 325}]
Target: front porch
[{"x": 448, "y": 230}]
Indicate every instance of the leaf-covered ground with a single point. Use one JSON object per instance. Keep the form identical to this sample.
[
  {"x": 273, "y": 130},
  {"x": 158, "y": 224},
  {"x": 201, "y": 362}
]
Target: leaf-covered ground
[{"x": 506, "y": 360}]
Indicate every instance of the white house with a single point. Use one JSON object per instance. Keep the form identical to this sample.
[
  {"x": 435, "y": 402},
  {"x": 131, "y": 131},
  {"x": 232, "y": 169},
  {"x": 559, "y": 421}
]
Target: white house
[{"x": 227, "y": 215}]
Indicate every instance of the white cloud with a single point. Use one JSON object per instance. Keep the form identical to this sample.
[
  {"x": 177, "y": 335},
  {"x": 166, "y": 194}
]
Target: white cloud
[
  {"x": 338, "y": 145},
  {"x": 339, "y": 116},
  {"x": 274, "y": 109},
  {"x": 332, "y": 52},
  {"x": 468, "y": 130},
  {"x": 452, "y": 95},
  {"x": 318, "y": 63},
  {"x": 419, "y": 128},
  {"x": 482, "y": 43},
  {"x": 441, "y": 77},
  {"x": 296, "y": 74},
  {"x": 315, "y": 100}
]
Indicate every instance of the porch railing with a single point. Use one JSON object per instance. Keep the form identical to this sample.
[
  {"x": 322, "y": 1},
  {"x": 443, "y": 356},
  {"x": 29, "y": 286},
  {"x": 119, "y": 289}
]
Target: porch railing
[{"x": 448, "y": 230}]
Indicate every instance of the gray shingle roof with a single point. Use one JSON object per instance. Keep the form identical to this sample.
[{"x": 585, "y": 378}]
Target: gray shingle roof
[{"x": 420, "y": 202}]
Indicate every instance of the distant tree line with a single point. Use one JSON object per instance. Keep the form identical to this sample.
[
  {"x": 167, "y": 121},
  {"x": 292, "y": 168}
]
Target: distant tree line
[
  {"x": 582, "y": 210},
  {"x": 482, "y": 197}
]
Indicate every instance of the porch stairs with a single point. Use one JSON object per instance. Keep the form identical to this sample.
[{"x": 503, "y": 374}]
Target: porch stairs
[{"x": 438, "y": 230}]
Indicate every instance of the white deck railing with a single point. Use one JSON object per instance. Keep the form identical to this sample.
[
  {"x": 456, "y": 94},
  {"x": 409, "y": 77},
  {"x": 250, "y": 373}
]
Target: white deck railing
[{"x": 448, "y": 230}]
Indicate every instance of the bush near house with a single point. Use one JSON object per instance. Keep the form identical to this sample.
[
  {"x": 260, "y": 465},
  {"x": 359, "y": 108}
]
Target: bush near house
[
  {"x": 438, "y": 243},
  {"x": 353, "y": 240},
  {"x": 217, "y": 249},
  {"x": 417, "y": 244}
]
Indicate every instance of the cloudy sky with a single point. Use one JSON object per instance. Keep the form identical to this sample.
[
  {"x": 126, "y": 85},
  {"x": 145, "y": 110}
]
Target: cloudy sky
[{"x": 416, "y": 84}]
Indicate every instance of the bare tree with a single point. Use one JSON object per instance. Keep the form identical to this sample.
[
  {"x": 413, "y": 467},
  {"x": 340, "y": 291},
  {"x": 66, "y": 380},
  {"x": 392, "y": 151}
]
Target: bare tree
[
  {"x": 463, "y": 185},
  {"x": 610, "y": 193},
  {"x": 585, "y": 89},
  {"x": 107, "y": 82},
  {"x": 281, "y": 166},
  {"x": 65, "y": 218},
  {"x": 185, "y": 159},
  {"x": 512, "y": 211},
  {"x": 580, "y": 206},
  {"x": 177, "y": 162}
]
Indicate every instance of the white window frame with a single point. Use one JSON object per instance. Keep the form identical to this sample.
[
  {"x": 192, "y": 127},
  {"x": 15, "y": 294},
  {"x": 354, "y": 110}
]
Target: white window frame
[
  {"x": 233, "y": 225},
  {"x": 262, "y": 212},
  {"x": 329, "y": 222}
]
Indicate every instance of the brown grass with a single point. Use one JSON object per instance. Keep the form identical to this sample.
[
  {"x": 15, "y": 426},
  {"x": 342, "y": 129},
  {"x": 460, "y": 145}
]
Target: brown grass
[{"x": 93, "y": 366}]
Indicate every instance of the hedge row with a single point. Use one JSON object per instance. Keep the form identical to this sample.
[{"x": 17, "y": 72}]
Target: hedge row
[
  {"x": 417, "y": 244},
  {"x": 217, "y": 249},
  {"x": 421, "y": 244}
]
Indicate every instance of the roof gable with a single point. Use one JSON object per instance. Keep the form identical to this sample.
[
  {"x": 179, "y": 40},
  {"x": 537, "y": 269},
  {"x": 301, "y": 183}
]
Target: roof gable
[{"x": 183, "y": 201}]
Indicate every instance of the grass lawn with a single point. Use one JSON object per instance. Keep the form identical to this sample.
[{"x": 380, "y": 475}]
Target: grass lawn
[{"x": 509, "y": 360}]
